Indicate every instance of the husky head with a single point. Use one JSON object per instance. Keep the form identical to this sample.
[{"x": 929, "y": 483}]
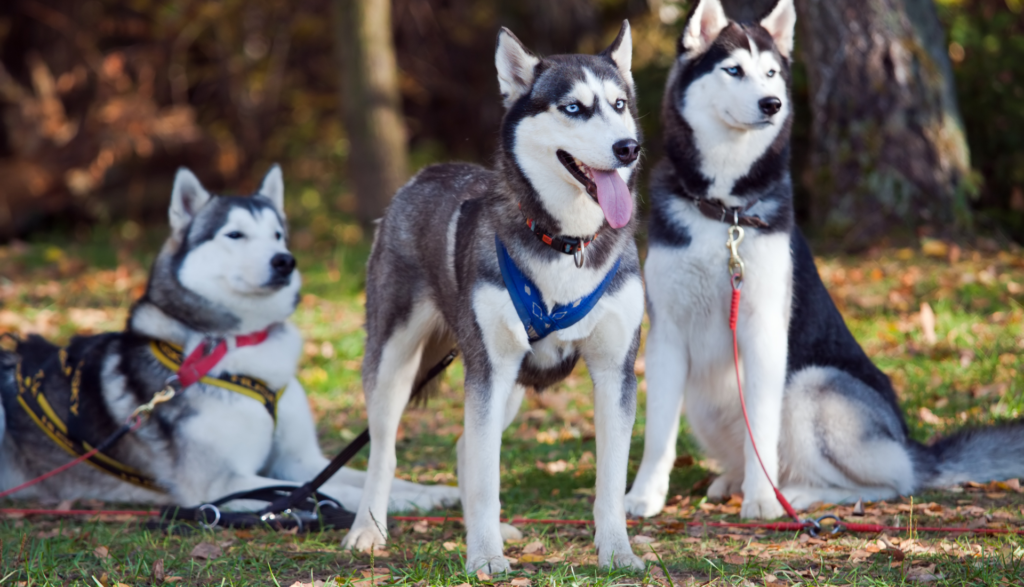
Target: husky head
[
  {"x": 226, "y": 268},
  {"x": 727, "y": 108},
  {"x": 570, "y": 140}
]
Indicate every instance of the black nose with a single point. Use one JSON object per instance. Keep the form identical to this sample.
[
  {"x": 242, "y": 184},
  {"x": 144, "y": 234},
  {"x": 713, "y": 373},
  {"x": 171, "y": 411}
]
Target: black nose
[
  {"x": 283, "y": 264},
  {"x": 770, "y": 105},
  {"x": 626, "y": 150}
]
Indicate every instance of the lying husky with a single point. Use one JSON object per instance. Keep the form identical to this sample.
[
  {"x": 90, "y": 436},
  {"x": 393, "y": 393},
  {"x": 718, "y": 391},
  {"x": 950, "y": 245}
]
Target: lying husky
[
  {"x": 225, "y": 272},
  {"x": 525, "y": 269},
  {"x": 825, "y": 418}
]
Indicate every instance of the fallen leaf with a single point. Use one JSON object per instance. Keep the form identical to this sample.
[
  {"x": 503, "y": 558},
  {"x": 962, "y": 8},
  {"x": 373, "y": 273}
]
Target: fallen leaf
[
  {"x": 243, "y": 534},
  {"x": 173, "y": 579},
  {"x": 206, "y": 551},
  {"x": 554, "y": 559},
  {"x": 463, "y": 585},
  {"x": 735, "y": 559},
  {"x": 928, "y": 417},
  {"x": 641, "y": 539},
  {"x": 532, "y": 558},
  {"x": 421, "y": 527},
  {"x": 158, "y": 571},
  {"x": 101, "y": 552},
  {"x": 928, "y": 323},
  {"x": 521, "y": 582},
  {"x": 650, "y": 557},
  {"x": 482, "y": 575},
  {"x": 770, "y": 578},
  {"x": 450, "y": 546},
  {"x": 861, "y": 554},
  {"x": 536, "y": 547}
]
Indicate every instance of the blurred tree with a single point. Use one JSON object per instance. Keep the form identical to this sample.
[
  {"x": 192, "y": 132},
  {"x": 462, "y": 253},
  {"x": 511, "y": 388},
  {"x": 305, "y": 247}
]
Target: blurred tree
[
  {"x": 371, "y": 104},
  {"x": 888, "y": 146}
]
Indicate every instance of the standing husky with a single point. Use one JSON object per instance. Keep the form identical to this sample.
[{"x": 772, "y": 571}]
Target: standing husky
[
  {"x": 225, "y": 272},
  {"x": 500, "y": 263},
  {"x": 825, "y": 418}
]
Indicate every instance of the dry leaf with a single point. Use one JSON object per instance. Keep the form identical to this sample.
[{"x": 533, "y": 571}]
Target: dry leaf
[
  {"x": 421, "y": 527},
  {"x": 158, "y": 571},
  {"x": 450, "y": 546},
  {"x": 928, "y": 324},
  {"x": 928, "y": 417},
  {"x": 463, "y": 585},
  {"x": 770, "y": 578},
  {"x": 532, "y": 558},
  {"x": 173, "y": 579},
  {"x": 641, "y": 539},
  {"x": 206, "y": 551},
  {"x": 521, "y": 582},
  {"x": 735, "y": 559},
  {"x": 535, "y": 547},
  {"x": 243, "y": 534},
  {"x": 482, "y": 575},
  {"x": 650, "y": 557},
  {"x": 101, "y": 552},
  {"x": 554, "y": 559}
]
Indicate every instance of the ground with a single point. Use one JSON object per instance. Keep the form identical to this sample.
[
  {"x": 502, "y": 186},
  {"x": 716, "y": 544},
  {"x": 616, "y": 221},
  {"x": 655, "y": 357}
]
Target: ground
[{"x": 944, "y": 322}]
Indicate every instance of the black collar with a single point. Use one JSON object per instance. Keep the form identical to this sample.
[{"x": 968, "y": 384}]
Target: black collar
[
  {"x": 716, "y": 210},
  {"x": 568, "y": 245}
]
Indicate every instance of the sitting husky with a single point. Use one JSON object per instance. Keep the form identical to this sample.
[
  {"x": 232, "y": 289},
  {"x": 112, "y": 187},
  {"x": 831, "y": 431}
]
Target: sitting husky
[
  {"x": 825, "y": 418},
  {"x": 224, "y": 273},
  {"x": 525, "y": 269}
]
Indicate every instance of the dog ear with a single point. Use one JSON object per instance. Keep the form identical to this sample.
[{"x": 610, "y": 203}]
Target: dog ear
[
  {"x": 187, "y": 198},
  {"x": 515, "y": 66},
  {"x": 706, "y": 21},
  {"x": 621, "y": 52},
  {"x": 273, "y": 188},
  {"x": 780, "y": 23}
]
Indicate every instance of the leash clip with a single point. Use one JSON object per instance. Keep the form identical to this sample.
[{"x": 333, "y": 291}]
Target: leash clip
[
  {"x": 736, "y": 266},
  {"x": 164, "y": 395},
  {"x": 814, "y": 526}
]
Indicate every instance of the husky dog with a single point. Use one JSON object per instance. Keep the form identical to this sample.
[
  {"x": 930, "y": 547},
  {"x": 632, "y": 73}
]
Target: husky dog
[
  {"x": 475, "y": 258},
  {"x": 826, "y": 420},
  {"x": 225, "y": 271}
]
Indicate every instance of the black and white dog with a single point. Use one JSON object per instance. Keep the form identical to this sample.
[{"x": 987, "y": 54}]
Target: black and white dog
[
  {"x": 826, "y": 420},
  {"x": 225, "y": 271},
  {"x": 526, "y": 269}
]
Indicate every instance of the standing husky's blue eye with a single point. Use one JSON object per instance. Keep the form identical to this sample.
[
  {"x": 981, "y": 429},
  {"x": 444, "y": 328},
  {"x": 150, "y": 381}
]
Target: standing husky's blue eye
[
  {"x": 620, "y": 104},
  {"x": 571, "y": 109},
  {"x": 771, "y": 73},
  {"x": 234, "y": 235},
  {"x": 277, "y": 235},
  {"x": 735, "y": 70}
]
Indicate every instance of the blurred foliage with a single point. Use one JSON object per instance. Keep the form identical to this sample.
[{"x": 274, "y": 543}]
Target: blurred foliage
[
  {"x": 986, "y": 46},
  {"x": 102, "y": 100}
]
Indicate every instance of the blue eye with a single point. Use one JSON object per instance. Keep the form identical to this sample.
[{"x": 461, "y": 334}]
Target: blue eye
[
  {"x": 620, "y": 104},
  {"x": 735, "y": 70},
  {"x": 572, "y": 108},
  {"x": 234, "y": 235},
  {"x": 771, "y": 73}
]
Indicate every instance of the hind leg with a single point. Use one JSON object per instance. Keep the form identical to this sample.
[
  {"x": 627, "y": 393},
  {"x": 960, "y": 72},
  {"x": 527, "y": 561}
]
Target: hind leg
[
  {"x": 393, "y": 373},
  {"x": 843, "y": 442}
]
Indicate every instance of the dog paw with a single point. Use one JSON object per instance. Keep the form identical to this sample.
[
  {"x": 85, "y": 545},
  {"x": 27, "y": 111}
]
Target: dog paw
[
  {"x": 492, "y": 565},
  {"x": 763, "y": 508},
  {"x": 446, "y": 496},
  {"x": 363, "y": 539},
  {"x": 510, "y": 532},
  {"x": 723, "y": 487},
  {"x": 624, "y": 559},
  {"x": 639, "y": 505}
]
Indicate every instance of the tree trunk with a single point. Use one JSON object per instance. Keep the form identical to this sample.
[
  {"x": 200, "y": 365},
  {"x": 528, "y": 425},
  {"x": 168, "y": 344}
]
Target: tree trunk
[
  {"x": 888, "y": 146},
  {"x": 370, "y": 102}
]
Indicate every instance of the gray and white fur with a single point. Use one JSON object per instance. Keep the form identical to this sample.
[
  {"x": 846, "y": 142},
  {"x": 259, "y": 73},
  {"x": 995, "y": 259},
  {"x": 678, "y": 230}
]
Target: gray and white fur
[
  {"x": 225, "y": 270},
  {"x": 825, "y": 419},
  {"x": 433, "y": 282}
]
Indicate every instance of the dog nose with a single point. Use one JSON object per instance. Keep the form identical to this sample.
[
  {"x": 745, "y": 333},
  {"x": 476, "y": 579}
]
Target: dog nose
[
  {"x": 283, "y": 264},
  {"x": 770, "y": 105},
  {"x": 626, "y": 150}
]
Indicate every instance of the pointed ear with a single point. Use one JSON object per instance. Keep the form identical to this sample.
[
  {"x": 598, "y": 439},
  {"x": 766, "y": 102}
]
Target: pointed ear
[
  {"x": 780, "y": 23},
  {"x": 273, "y": 188},
  {"x": 515, "y": 66},
  {"x": 621, "y": 52},
  {"x": 187, "y": 198},
  {"x": 706, "y": 21}
]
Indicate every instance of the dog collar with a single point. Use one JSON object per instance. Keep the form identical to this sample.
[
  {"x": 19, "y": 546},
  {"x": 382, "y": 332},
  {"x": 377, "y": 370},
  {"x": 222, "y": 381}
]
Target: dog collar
[
  {"x": 534, "y": 314},
  {"x": 716, "y": 210},
  {"x": 204, "y": 358},
  {"x": 563, "y": 244}
]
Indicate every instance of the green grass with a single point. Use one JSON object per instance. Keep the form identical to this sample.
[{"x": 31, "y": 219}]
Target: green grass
[{"x": 969, "y": 374}]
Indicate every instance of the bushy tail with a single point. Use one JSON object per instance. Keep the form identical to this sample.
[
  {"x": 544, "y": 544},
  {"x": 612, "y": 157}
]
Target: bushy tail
[{"x": 992, "y": 453}]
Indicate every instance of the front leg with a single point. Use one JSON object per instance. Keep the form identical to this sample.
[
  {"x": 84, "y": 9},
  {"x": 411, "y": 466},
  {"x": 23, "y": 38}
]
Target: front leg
[
  {"x": 763, "y": 344},
  {"x": 610, "y": 353},
  {"x": 491, "y": 375}
]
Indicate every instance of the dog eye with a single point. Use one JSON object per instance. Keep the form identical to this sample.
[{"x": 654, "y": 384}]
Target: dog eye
[
  {"x": 572, "y": 108},
  {"x": 771, "y": 73},
  {"x": 620, "y": 104},
  {"x": 735, "y": 70},
  {"x": 234, "y": 235},
  {"x": 277, "y": 235}
]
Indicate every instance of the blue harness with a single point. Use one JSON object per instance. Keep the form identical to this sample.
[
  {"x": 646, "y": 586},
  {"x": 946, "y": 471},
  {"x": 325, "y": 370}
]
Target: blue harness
[{"x": 536, "y": 318}]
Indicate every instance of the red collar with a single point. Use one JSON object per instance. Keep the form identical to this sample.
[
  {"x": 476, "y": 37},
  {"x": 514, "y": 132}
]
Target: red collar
[{"x": 203, "y": 359}]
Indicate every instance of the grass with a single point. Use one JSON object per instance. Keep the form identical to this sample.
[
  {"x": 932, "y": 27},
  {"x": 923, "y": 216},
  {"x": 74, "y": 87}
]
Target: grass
[{"x": 962, "y": 367}]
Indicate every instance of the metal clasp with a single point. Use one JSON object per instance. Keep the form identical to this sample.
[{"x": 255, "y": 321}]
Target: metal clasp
[
  {"x": 814, "y": 527},
  {"x": 733, "y": 244},
  {"x": 164, "y": 395},
  {"x": 578, "y": 255}
]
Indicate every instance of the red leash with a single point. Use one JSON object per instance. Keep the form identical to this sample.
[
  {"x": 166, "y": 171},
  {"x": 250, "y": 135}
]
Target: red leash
[{"x": 193, "y": 368}]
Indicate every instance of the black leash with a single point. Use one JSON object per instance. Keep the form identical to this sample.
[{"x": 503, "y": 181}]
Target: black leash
[{"x": 303, "y": 507}]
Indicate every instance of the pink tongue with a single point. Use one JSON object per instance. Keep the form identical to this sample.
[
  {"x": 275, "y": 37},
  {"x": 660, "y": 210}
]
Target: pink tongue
[{"x": 613, "y": 196}]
